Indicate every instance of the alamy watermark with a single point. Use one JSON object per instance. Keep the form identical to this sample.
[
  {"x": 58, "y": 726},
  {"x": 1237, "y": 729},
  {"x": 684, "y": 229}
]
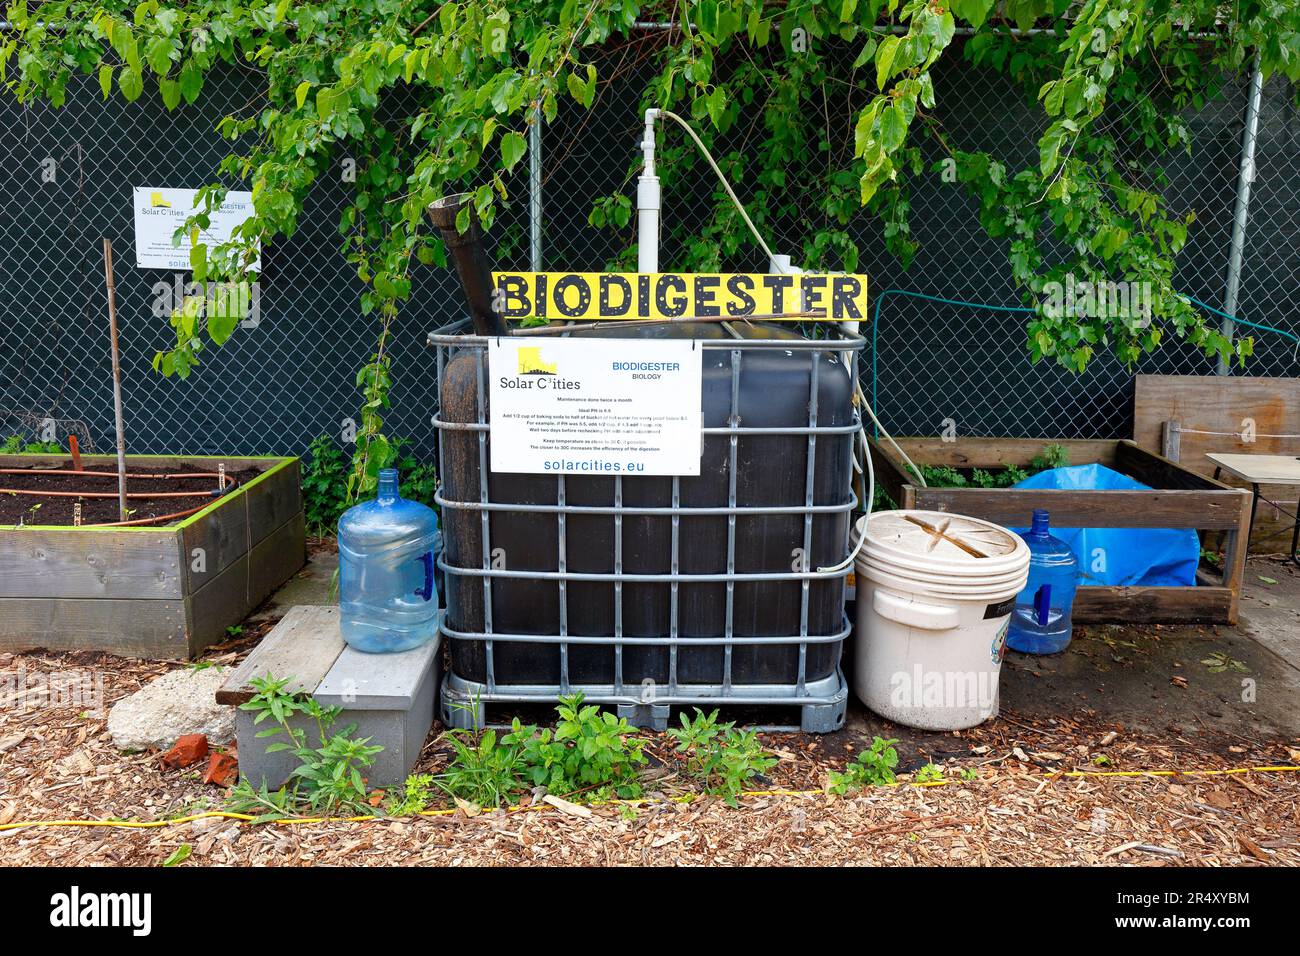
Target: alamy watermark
[
  {"x": 26, "y": 691},
  {"x": 227, "y": 299},
  {"x": 1097, "y": 300},
  {"x": 944, "y": 689}
]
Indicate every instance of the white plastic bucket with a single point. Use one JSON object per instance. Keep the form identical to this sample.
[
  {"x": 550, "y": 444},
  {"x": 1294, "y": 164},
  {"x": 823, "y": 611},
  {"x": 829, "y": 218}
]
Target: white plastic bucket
[{"x": 934, "y": 599}]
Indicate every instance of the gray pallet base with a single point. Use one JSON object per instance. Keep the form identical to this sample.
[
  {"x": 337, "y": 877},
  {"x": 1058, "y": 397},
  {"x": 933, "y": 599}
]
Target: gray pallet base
[{"x": 822, "y": 708}]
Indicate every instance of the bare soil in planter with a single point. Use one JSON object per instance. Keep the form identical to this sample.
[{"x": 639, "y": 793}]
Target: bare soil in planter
[{"x": 57, "y": 509}]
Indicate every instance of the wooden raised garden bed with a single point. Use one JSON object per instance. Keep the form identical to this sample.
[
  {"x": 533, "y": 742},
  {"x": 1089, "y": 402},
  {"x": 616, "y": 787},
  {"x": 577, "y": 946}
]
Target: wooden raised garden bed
[
  {"x": 1179, "y": 499},
  {"x": 159, "y": 591}
]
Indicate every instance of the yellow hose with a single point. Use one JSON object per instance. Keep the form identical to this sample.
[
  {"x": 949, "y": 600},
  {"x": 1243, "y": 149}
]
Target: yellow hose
[{"x": 244, "y": 817}]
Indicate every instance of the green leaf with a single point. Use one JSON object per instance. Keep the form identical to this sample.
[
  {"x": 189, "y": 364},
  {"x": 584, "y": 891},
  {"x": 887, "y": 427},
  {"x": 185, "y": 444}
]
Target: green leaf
[
  {"x": 496, "y": 34},
  {"x": 716, "y": 103},
  {"x": 513, "y": 148},
  {"x": 171, "y": 93},
  {"x": 893, "y": 128},
  {"x": 1055, "y": 96},
  {"x": 106, "y": 79},
  {"x": 131, "y": 83},
  {"x": 885, "y": 54},
  {"x": 1049, "y": 150},
  {"x": 179, "y": 855},
  {"x": 325, "y": 101},
  {"x": 864, "y": 129},
  {"x": 191, "y": 81},
  {"x": 199, "y": 261},
  {"x": 222, "y": 323},
  {"x": 868, "y": 51},
  {"x": 583, "y": 92},
  {"x": 576, "y": 88},
  {"x": 300, "y": 94},
  {"x": 160, "y": 55},
  {"x": 974, "y": 12}
]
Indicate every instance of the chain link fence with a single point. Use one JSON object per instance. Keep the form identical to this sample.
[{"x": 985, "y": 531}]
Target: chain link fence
[{"x": 66, "y": 178}]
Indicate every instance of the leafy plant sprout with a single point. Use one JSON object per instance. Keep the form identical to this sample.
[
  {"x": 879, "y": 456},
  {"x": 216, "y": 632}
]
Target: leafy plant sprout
[
  {"x": 329, "y": 777},
  {"x": 722, "y": 758},
  {"x": 929, "y": 774},
  {"x": 873, "y": 767}
]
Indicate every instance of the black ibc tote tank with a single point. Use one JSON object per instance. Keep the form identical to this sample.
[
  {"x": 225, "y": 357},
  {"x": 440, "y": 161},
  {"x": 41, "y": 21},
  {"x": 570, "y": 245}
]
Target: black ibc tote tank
[
  {"x": 773, "y": 389},
  {"x": 653, "y": 592}
]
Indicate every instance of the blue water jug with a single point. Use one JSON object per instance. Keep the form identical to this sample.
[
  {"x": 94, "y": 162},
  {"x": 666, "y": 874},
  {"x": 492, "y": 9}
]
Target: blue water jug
[
  {"x": 1040, "y": 622},
  {"x": 388, "y": 556}
]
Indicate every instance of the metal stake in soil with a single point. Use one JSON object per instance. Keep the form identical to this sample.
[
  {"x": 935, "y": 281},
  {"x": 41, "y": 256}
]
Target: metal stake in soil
[{"x": 117, "y": 378}]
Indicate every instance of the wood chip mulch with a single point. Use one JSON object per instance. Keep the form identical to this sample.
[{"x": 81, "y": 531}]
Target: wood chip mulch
[{"x": 58, "y": 762}]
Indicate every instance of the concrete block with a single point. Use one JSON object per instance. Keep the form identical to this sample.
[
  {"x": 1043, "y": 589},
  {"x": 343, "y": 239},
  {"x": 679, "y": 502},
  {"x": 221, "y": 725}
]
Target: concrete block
[{"x": 391, "y": 698}]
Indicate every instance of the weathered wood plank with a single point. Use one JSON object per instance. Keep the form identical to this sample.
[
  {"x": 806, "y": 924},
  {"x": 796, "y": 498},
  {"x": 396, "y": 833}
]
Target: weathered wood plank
[
  {"x": 220, "y": 603},
  {"x": 994, "y": 453},
  {"x": 1014, "y": 507},
  {"x": 276, "y": 558},
  {"x": 1220, "y": 403},
  {"x": 215, "y": 541},
  {"x": 1226, "y": 404},
  {"x": 1158, "y": 471},
  {"x": 273, "y": 499},
  {"x": 1235, "y": 547},
  {"x": 173, "y": 462},
  {"x": 126, "y": 627},
  {"x": 303, "y": 646},
  {"x": 238, "y": 589},
  {"x": 90, "y": 563},
  {"x": 158, "y": 599},
  {"x": 1172, "y": 605}
]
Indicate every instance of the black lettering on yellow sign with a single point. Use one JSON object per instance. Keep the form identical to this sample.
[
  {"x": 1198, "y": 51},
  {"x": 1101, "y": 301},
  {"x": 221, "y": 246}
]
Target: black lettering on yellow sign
[{"x": 591, "y": 296}]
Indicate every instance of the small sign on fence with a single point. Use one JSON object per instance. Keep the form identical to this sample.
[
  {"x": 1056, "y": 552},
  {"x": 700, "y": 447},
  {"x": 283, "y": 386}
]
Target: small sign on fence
[{"x": 160, "y": 212}]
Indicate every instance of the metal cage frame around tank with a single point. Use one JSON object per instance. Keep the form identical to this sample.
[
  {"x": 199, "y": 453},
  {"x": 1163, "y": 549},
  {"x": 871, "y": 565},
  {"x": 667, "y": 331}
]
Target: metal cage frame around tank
[{"x": 823, "y": 703}]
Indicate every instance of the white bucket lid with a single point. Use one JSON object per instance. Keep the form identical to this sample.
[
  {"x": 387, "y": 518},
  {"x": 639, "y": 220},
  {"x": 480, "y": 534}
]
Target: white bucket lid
[{"x": 938, "y": 549}]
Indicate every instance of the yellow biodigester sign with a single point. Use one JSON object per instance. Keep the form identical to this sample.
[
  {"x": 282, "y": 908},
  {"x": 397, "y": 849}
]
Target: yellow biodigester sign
[{"x": 592, "y": 296}]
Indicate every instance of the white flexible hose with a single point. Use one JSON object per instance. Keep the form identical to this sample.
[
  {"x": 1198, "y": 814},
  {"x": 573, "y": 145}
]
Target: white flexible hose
[
  {"x": 890, "y": 438},
  {"x": 866, "y": 510},
  {"x": 862, "y": 433},
  {"x": 871, "y": 483},
  {"x": 721, "y": 178}
]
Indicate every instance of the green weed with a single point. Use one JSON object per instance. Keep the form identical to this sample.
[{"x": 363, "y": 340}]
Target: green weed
[
  {"x": 872, "y": 768},
  {"x": 722, "y": 758},
  {"x": 329, "y": 777}
]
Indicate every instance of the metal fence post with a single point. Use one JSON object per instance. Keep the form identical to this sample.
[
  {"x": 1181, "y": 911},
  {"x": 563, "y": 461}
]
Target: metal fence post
[
  {"x": 535, "y": 190},
  {"x": 1241, "y": 211}
]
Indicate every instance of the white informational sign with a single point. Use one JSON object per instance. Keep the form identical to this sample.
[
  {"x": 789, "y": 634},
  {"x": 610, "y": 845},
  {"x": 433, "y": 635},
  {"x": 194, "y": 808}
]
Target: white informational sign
[
  {"x": 160, "y": 212},
  {"x": 595, "y": 406}
]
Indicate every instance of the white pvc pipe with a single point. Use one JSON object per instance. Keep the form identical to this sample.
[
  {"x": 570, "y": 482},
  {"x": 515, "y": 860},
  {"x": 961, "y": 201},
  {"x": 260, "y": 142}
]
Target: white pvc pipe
[{"x": 649, "y": 201}]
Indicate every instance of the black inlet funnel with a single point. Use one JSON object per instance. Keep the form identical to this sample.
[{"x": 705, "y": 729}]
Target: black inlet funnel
[{"x": 468, "y": 253}]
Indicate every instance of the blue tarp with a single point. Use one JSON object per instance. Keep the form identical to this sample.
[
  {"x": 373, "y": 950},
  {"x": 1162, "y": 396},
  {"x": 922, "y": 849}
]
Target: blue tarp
[{"x": 1128, "y": 556}]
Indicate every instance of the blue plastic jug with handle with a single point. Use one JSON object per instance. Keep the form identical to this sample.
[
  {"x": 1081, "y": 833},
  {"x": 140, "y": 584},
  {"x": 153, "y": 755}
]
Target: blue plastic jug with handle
[
  {"x": 388, "y": 569},
  {"x": 1040, "y": 622}
]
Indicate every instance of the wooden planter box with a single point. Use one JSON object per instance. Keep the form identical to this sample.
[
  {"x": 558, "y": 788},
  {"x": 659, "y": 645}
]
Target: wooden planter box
[
  {"x": 158, "y": 592},
  {"x": 1184, "y": 417},
  {"x": 1179, "y": 499}
]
